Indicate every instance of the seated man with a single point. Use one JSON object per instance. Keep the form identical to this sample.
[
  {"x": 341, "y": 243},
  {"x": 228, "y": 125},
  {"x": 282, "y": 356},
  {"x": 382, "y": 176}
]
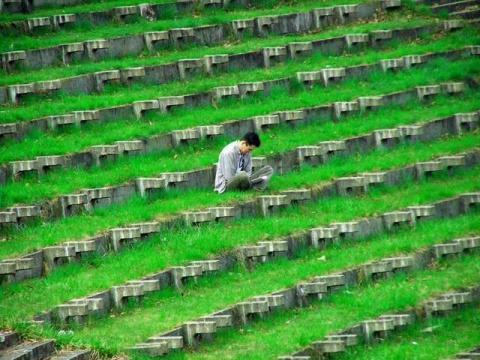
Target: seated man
[{"x": 234, "y": 169}]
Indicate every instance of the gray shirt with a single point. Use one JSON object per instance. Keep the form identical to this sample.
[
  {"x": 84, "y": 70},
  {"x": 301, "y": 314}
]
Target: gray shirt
[{"x": 228, "y": 165}]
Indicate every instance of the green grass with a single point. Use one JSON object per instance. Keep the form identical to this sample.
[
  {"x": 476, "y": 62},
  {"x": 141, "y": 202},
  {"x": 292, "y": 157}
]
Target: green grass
[
  {"x": 415, "y": 343},
  {"x": 118, "y": 95},
  {"x": 166, "y": 55},
  {"x": 16, "y": 42},
  {"x": 163, "y": 310},
  {"x": 176, "y": 201}
]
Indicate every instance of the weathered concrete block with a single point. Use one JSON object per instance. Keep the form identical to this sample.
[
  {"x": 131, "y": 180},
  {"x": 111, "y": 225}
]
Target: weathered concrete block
[
  {"x": 458, "y": 298},
  {"x": 377, "y": 327},
  {"x": 323, "y": 17},
  {"x": 275, "y": 246},
  {"x": 13, "y": 59},
  {"x": 23, "y": 212},
  {"x": 298, "y": 49},
  {"x": 179, "y": 273},
  {"x": 185, "y": 136},
  {"x": 57, "y": 121},
  {"x": 153, "y": 349},
  {"x": 207, "y": 265},
  {"x": 396, "y": 218},
  {"x": 469, "y": 243},
  {"x": 351, "y": 185},
  {"x": 148, "y": 285},
  {"x": 96, "y": 48},
  {"x": 128, "y": 74},
  {"x": 380, "y": 36},
  {"x": 413, "y": 60},
  {"x": 411, "y": 132},
  {"x": 254, "y": 251},
  {"x": 8, "y": 217},
  {"x": 147, "y": 185},
  {"x": 173, "y": 342},
  {"x": 333, "y": 281},
  {"x": 225, "y": 212},
  {"x": 152, "y": 38},
  {"x": 306, "y": 153},
  {"x": 440, "y": 250},
  {"x": 119, "y": 237},
  {"x": 220, "y": 320},
  {"x": 386, "y": 137},
  {"x": 120, "y": 293},
  {"x": 370, "y": 102},
  {"x": 245, "y": 310},
  {"x": 242, "y": 26},
  {"x": 449, "y": 162},
  {"x": 71, "y": 51},
  {"x": 466, "y": 122},
  {"x": 189, "y": 67},
  {"x": 197, "y": 217},
  {"x": 221, "y": 92},
  {"x": 268, "y": 203},
  {"x": 345, "y": 13},
  {"x": 264, "y": 121},
  {"x": 8, "y": 129},
  {"x": 273, "y": 55},
  {"x": 208, "y": 131},
  {"x": 83, "y": 246},
  {"x": 58, "y": 255},
  {"x": 274, "y": 301},
  {"x": 83, "y": 116},
  {"x": 328, "y": 346},
  {"x": 297, "y": 195},
  {"x": 15, "y": 91},
  {"x": 437, "y": 306},
  {"x": 47, "y": 86},
  {"x": 318, "y": 236},
  {"x": 193, "y": 329},
  {"x": 46, "y": 163},
  {"x": 167, "y": 102},
  {"x": 101, "y": 77},
  {"x": 353, "y": 40},
  {"x": 348, "y": 339},
  {"x": 398, "y": 319},
  {"x": 391, "y": 64},
  {"x": 309, "y": 78},
  {"x": 214, "y": 63},
  {"x": 374, "y": 178},
  {"x": 103, "y": 153},
  {"x": 346, "y": 229},
  {"x": 452, "y": 87},
  {"x": 377, "y": 267},
  {"x": 291, "y": 116},
  {"x": 247, "y": 88},
  {"x": 427, "y": 168},
  {"x": 140, "y": 107},
  {"x": 59, "y": 20},
  {"x": 427, "y": 92},
  {"x": 390, "y": 4},
  {"x": 332, "y": 75},
  {"x": 175, "y": 178},
  {"x": 450, "y": 25},
  {"x": 19, "y": 167},
  {"x": 422, "y": 211},
  {"x": 124, "y": 11},
  {"x": 343, "y": 108},
  {"x": 181, "y": 36}
]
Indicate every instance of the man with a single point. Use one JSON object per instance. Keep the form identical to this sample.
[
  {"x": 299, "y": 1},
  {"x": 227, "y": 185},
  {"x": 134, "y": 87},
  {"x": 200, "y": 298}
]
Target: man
[{"x": 234, "y": 168}]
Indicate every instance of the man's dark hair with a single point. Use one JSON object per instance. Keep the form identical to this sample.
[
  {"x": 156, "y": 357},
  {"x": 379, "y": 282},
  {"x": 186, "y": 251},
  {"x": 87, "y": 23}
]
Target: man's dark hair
[{"x": 252, "y": 138}]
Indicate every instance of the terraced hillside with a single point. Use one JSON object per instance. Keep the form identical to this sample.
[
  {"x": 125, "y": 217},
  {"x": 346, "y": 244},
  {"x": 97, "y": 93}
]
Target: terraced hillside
[{"x": 365, "y": 244}]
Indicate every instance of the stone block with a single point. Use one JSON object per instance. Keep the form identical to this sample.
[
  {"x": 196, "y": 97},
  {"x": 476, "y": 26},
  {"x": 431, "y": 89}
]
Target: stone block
[
  {"x": 17, "y": 168},
  {"x": 58, "y": 255},
  {"x": 410, "y": 132},
  {"x": 450, "y": 162},
  {"x": 346, "y": 229},
  {"x": 71, "y": 310},
  {"x": 95, "y": 48},
  {"x": 378, "y": 36},
  {"x": 275, "y": 246},
  {"x": 473, "y": 49},
  {"x": 153, "y": 37},
  {"x": 291, "y": 116},
  {"x": 306, "y": 153},
  {"x": 182, "y": 272},
  {"x": 440, "y": 250},
  {"x": 348, "y": 339},
  {"x": 130, "y": 147},
  {"x": 48, "y": 85},
  {"x": 469, "y": 243},
  {"x": 427, "y": 168},
  {"x": 207, "y": 265},
  {"x": 297, "y": 195},
  {"x": 458, "y": 298},
  {"x": 153, "y": 349},
  {"x": 208, "y": 131},
  {"x": 218, "y": 93},
  {"x": 386, "y": 137},
  {"x": 273, "y": 55},
  {"x": 147, "y": 228},
  {"x": 422, "y": 211},
  {"x": 332, "y": 75},
  {"x": 181, "y": 36},
  {"x": 466, "y": 122},
  {"x": 23, "y": 212},
  {"x": 39, "y": 22},
  {"x": 333, "y": 281},
  {"x": 247, "y": 88},
  {"x": 264, "y": 121},
  {"x": 175, "y": 178},
  {"x": 101, "y": 77},
  {"x": 214, "y": 63},
  {"x": 120, "y": 293},
  {"x": 248, "y": 308},
  {"x": 356, "y": 39},
  {"x": 262, "y": 24},
  {"x": 120, "y": 236},
  {"x": 319, "y": 236},
  {"x": 124, "y": 11},
  {"x": 99, "y": 196},
  {"x": 198, "y": 217},
  {"x": 258, "y": 162},
  {"x": 345, "y": 12},
  {"x": 427, "y": 92},
  {"x": 167, "y": 102},
  {"x": 15, "y": 91},
  {"x": 322, "y": 17},
  {"x": 309, "y": 78},
  {"x": 189, "y": 67},
  {"x": 223, "y": 212},
  {"x": 83, "y": 116},
  {"x": 60, "y": 20},
  {"x": 8, "y": 129},
  {"x": 376, "y": 268},
  {"x": 436, "y": 306},
  {"x": 73, "y": 203},
  {"x": 148, "y": 185},
  {"x": 298, "y": 49},
  {"x": 369, "y": 102},
  {"x": 254, "y": 251},
  {"x": 450, "y": 25},
  {"x": 391, "y": 64},
  {"x": 351, "y": 185},
  {"x": 328, "y": 346},
  {"x": 57, "y": 121},
  {"x": 220, "y": 320},
  {"x": 343, "y": 108},
  {"x": 268, "y": 203},
  {"x": 397, "y": 218},
  {"x": 7, "y": 268},
  {"x": 452, "y": 87},
  {"x": 12, "y": 59},
  {"x": 185, "y": 136},
  {"x": 242, "y": 26},
  {"x": 140, "y": 107},
  {"x": 274, "y": 301},
  {"x": 398, "y": 319},
  {"x": 413, "y": 60},
  {"x": 71, "y": 50},
  {"x": 173, "y": 342},
  {"x": 83, "y": 246},
  {"x": 46, "y": 163},
  {"x": 128, "y": 74},
  {"x": 103, "y": 153},
  {"x": 377, "y": 327},
  {"x": 317, "y": 288},
  {"x": 374, "y": 177},
  {"x": 390, "y": 4},
  {"x": 148, "y": 285},
  {"x": 192, "y": 329}
]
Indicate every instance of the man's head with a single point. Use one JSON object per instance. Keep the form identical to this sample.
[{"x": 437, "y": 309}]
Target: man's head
[{"x": 248, "y": 142}]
